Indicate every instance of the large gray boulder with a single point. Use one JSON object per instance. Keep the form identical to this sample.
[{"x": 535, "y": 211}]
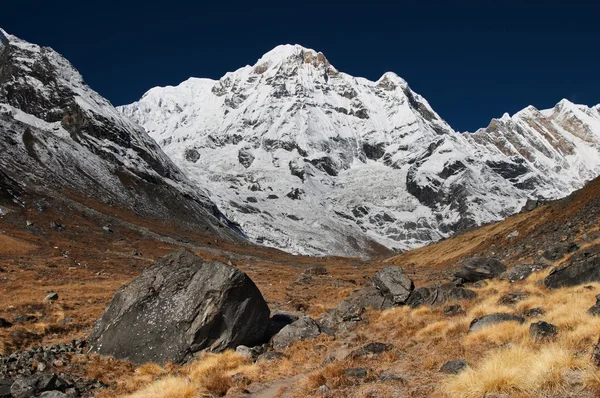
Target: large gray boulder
[
  {"x": 582, "y": 268},
  {"x": 476, "y": 269},
  {"x": 393, "y": 284},
  {"x": 178, "y": 306}
]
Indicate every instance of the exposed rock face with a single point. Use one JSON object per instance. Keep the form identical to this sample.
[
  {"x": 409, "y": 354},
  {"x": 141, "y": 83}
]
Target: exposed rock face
[
  {"x": 58, "y": 136},
  {"x": 349, "y": 142},
  {"x": 492, "y": 319},
  {"x": 476, "y": 269},
  {"x": 178, "y": 306},
  {"x": 584, "y": 267},
  {"x": 393, "y": 284}
]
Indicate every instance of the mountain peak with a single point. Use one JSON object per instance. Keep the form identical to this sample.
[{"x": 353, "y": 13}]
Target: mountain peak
[{"x": 293, "y": 52}]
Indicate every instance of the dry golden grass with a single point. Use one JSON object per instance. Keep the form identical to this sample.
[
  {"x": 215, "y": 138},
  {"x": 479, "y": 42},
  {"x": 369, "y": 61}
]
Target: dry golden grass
[
  {"x": 522, "y": 365},
  {"x": 210, "y": 375}
]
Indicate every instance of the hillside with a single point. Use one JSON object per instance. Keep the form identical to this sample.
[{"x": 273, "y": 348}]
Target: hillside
[{"x": 85, "y": 264}]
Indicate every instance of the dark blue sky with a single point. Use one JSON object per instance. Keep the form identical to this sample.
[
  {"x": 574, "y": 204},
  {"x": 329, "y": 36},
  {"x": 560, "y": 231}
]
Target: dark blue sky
[{"x": 472, "y": 60}]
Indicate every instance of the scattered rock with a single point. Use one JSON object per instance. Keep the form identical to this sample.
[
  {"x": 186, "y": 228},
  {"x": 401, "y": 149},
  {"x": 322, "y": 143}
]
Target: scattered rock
[
  {"x": 454, "y": 367},
  {"x": 316, "y": 270},
  {"x": 437, "y": 295},
  {"x": 107, "y": 229},
  {"x": 323, "y": 389},
  {"x": 534, "y": 312},
  {"x": 279, "y": 320},
  {"x": 57, "y": 226},
  {"x": 303, "y": 329},
  {"x": 370, "y": 297},
  {"x": 596, "y": 354},
  {"x": 53, "y": 394},
  {"x": 512, "y": 235},
  {"x": 452, "y": 310},
  {"x": 356, "y": 373},
  {"x": 476, "y": 269},
  {"x": 370, "y": 349},
  {"x": 542, "y": 330},
  {"x": 251, "y": 353},
  {"x": 391, "y": 377},
  {"x": 271, "y": 356},
  {"x": 559, "y": 251},
  {"x": 24, "y": 319},
  {"x": 492, "y": 319},
  {"x": 304, "y": 279},
  {"x": 583, "y": 268},
  {"x": 4, "y": 324},
  {"x": 521, "y": 272},
  {"x": 594, "y": 310},
  {"x": 394, "y": 284},
  {"x": 51, "y": 297},
  {"x": 26, "y": 387},
  {"x": 480, "y": 284},
  {"x": 512, "y": 298},
  {"x": 178, "y": 306}
]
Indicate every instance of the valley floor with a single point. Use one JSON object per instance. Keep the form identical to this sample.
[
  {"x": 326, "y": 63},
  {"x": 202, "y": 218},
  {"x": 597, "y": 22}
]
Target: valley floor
[{"x": 92, "y": 249}]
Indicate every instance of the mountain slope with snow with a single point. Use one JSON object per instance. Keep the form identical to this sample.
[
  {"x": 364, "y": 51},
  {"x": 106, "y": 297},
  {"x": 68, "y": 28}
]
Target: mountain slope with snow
[
  {"x": 312, "y": 160},
  {"x": 60, "y": 137}
]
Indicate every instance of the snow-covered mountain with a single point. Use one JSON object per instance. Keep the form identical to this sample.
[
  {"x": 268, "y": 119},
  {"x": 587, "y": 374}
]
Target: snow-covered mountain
[
  {"x": 312, "y": 160},
  {"x": 57, "y": 136}
]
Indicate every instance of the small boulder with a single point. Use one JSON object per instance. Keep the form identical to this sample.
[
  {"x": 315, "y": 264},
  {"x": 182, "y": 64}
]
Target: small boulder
[
  {"x": 4, "y": 324},
  {"x": 280, "y": 319},
  {"x": 394, "y": 284},
  {"x": 370, "y": 349},
  {"x": 476, "y": 269},
  {"x": 178, "y": 306},
  {"x": 512, "y": 298},
  {"x": 370, "y": 297},
  {"x": 454, "y": 367},
  {"x": 493, "y": 319},
  {"x": 594, "y": 310},
  {"x": 534, "y": 312},
  {"x": 521, "y": 272},
  {"x": 53, "y": 394},
  {"x": 270, "y": 356},
  {"x": 356, "y": 373},
  {"x": 596, "y": 354},
  {"x": 583, "y": 268},
  {"x": 315, "y": 270},
  {"x": 251, "y": 353},
  {"x": 437, "y": 295},
  {"x": 26, "y": 387},
  {"x": 303, "y": 329},
  {"x": 51, "y": 297},
  {"x": 452, "y": 310},
  {"x": 542, "y": 331}
]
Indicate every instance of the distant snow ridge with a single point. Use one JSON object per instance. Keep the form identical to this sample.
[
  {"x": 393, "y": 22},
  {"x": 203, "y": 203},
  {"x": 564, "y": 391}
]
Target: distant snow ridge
[{"x": 314, "y": 161}]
